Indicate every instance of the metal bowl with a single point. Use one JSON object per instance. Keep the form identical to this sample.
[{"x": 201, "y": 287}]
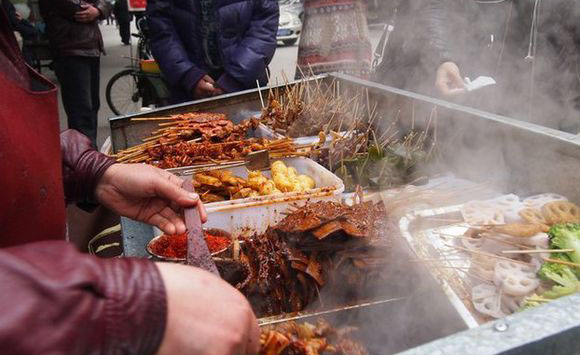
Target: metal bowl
[{"x": 213, "y": 231}]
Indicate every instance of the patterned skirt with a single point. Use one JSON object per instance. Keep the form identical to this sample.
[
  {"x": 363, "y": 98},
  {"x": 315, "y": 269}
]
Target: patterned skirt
[{"x": 335, "y": 38}]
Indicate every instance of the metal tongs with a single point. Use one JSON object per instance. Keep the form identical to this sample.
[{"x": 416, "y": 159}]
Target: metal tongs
[
  {"x": 197, "y": 251},
  {"x": 259, "y": 160}
]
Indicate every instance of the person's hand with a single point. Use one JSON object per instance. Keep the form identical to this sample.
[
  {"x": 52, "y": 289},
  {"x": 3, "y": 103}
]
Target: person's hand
[
  {"x": 147, "y": 194},
  {"x": 449, "y": 81},
  {"x": 18, "y": 16},
  {"x": 205, "y": 87},
  {"x": 88, "y": 14},
  {"x": 205, "y": 315},
  {"x": 218, "y": 91}
]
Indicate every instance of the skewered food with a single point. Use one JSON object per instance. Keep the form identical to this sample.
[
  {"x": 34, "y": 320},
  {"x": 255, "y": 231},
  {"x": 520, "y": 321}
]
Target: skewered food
[
  {"x": 221, "y": 185},
  {"x": 519, "y": 230},
  {"x": 186, "y": 154},
  {"x": 481, "y": 213},
  {"x": 515, "y": 279},
  {"x": 487, "y": 300},
  {"x": 310, "y": 339},
  {"x": 561, "y": 212},
  {"x": 187, "y": 128},
  {"x": 534, "y": 216},
  {"x": 514, "y": 273},
  {"x": 324, "y": 244},
  {"x": 537, "y": 201}
]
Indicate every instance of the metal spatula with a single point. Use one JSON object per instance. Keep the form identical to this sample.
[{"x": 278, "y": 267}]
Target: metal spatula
[{"x": 197, "y": 251}]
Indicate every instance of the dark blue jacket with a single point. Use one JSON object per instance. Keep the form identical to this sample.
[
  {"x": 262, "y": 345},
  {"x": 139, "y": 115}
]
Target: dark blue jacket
[{"x": 246, "y": 40}]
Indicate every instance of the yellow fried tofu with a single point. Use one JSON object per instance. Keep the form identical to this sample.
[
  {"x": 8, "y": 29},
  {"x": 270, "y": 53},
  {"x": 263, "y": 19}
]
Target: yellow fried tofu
[
  {"x": 292, "y": 172},
  {"x": 278, "y": 167},
  {"x": 208, "y": 180},
  {"x": 282, "y": 183},
  {"x": 307, "y": 182},
  {"x": 254, "y": 174},
  {"x": 243, "y": 193},
  {"x": 209, "y": 198},
  {"x": 269, "y": 188}
]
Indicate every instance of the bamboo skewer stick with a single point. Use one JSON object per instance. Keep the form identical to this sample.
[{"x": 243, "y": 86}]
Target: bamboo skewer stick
[
  {"x": 146, "y": 119},
  {"x": 538, "y": 299},
  {"x": 488, "y": 254},
  {"x": 260, "y": 93},
  {"x": 537, "y": 251},
  {"x": 168, "y": 124},
  {"x": 507, "y": 242},
  {"x": 563, "y": 262}
]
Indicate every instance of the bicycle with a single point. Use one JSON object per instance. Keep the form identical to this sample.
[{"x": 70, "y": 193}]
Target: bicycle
[{"x": 141, "y": 84}]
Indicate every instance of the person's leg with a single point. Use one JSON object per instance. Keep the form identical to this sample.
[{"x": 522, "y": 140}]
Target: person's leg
[
  {"x": 74, "y": 76},
  {"x": 125, "y": 32},
  {"x": 95, "y": 97}
]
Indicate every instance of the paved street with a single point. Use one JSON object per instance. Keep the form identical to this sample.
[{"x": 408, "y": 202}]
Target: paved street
[{"x": 117, "y": 58}]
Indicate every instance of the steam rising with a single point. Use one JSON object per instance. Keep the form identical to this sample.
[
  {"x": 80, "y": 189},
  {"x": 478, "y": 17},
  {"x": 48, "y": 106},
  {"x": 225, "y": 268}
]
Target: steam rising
[{"x": 497, "y": 40}]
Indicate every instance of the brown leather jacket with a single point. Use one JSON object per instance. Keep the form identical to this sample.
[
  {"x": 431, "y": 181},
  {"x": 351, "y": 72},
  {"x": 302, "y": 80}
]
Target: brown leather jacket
[
  {"x": 67, "y": 36},
  {"x": 56, "y": 300}
]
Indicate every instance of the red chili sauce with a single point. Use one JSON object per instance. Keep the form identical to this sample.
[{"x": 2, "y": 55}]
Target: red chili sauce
[{"x": 175, "y": 246}]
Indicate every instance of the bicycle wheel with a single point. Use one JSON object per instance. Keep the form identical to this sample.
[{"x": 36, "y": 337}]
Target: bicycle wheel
[{"x": 122, "y": 94}]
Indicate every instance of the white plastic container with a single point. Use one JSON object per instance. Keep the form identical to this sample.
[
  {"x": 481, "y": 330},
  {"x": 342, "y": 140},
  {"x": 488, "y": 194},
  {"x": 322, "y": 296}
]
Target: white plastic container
[
  {"x": 255, "y": 217},
  {"x": 328, "y": 186}
]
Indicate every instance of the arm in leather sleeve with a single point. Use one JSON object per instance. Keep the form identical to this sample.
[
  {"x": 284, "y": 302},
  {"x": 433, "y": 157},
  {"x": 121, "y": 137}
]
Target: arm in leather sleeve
[
  {"x": 255, "y": 51},
  {"x": 436, "y": 14},
  {"x": 104, "y": 7},
  {"x": 82, "y": 166},
  {"x": 167, "y": 48},
  {"x": 59, "y": 301},
  {"x": 65, "y": 8}
]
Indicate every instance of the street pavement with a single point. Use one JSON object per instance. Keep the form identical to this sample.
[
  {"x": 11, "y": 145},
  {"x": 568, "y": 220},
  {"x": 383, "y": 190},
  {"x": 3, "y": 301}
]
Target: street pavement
[{"x": 117, "y": 56}]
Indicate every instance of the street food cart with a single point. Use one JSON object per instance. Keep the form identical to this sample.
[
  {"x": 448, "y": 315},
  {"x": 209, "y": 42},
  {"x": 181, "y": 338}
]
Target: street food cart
[{"x": 421, "y": 307}]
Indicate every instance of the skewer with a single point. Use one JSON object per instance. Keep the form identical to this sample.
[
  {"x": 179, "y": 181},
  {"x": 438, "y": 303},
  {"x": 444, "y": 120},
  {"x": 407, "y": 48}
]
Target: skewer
[
  {"x": 154, "y": 137},
  {"x": 145, "y": 119},
  {"x": 537, "y": 251},
  {"x": 488, "y": 254},
  {"x": 538, "y": 299},
  {"x": 490, "y": 238},
  {"x": 266, "y": 321},
  {"x": 434, "y": 260},
  {"x": 563, "y": 262},
  {"x": 260, "y": 93},
  {"x": 168, "y": 124}
]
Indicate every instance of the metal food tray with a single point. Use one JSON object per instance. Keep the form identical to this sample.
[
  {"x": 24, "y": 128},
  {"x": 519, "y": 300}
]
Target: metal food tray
[
  {"x": 510, "y": 155},
  {"x": 443, "y": 260}
]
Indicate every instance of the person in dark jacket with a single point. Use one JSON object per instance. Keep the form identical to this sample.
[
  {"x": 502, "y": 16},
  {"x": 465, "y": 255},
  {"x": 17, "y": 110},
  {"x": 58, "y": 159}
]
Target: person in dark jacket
[
  {"x": 59, "y": 301},
  {"x": 72, "y": 27},
  {"x": 209, "y": 47},
  {"x": 123, "y": 16},
  {"x": 531, "y": 48},
  {"x": 22, "y": 26}
]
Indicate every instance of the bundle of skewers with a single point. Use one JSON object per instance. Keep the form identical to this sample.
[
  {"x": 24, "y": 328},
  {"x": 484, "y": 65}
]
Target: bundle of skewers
[
  {"x": 346, "y": 122},
  {"x": 201, "y": 138},
  {"x": 309, "y": 107}
]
